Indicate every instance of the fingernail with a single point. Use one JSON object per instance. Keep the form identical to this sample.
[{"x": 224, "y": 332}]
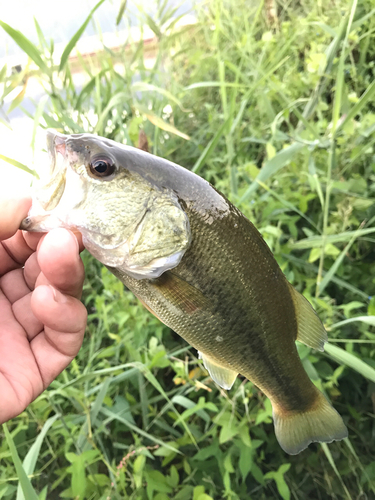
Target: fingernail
[{"x": 58, "y": 296}]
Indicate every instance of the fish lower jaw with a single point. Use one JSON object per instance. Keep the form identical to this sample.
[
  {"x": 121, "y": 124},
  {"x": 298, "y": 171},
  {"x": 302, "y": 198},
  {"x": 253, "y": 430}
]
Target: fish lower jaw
[{"x": 41, "y": 223}]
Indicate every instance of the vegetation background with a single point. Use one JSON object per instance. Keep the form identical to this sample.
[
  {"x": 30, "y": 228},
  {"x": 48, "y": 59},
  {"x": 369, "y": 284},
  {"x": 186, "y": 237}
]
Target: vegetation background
[{"x": 272, "y": 102}]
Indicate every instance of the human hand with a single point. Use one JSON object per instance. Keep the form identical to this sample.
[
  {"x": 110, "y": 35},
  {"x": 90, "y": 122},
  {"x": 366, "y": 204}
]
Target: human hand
[{"x": 42, "y": 321}]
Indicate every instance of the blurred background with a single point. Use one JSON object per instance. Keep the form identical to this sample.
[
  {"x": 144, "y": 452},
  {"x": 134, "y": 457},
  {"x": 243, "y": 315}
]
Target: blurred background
[{"x": 271, "y": 102}]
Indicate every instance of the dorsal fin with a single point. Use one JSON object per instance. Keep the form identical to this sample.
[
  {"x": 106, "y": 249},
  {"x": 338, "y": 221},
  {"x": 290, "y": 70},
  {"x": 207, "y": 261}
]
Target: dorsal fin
[{"x": 311, "y": 331}]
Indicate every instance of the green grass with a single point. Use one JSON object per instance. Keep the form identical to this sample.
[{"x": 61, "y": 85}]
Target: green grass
[{"x": 280, "y": 118}]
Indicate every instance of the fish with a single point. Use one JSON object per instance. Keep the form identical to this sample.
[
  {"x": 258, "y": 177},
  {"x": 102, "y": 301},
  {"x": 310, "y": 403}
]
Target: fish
[{"x": 198, "y": 264}]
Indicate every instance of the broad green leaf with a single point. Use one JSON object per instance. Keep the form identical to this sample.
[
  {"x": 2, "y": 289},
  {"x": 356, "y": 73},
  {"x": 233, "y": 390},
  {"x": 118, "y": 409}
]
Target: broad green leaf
[
  {"x": 278, "y": 477},
  {"x": 27, "y": 46},
  {"x": 72, "y": 43},
  {"x": 79, "y": 481},
  {"x": 246, "y": 461}
]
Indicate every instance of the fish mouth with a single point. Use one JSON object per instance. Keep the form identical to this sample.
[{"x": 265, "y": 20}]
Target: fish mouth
[
  {"x": 56, "y": 143},
  {"x": 50, "y": 188}
]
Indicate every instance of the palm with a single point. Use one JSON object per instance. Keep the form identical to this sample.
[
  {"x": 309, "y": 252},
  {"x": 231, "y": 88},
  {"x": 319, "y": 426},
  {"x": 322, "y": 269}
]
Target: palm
[{"x": 42, "y": 322}]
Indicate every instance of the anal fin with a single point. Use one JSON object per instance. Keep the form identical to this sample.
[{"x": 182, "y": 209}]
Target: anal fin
[
  {"x": 311, "y": 331},
  {"x": 224, "y": 377}
]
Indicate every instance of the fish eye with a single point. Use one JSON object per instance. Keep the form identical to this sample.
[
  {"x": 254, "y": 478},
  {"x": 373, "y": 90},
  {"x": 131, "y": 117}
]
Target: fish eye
[{"x": 102, "y": 167}]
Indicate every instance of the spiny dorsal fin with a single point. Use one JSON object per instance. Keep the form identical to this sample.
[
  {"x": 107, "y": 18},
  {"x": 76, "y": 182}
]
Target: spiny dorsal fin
[
  {"x": 310, "y": 329},
  {"x": 222, "y": 376}
]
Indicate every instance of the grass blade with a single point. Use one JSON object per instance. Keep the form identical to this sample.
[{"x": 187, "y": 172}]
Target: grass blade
[
  {"x": 114, "y": 101},
  {"x": 340, "y": 73},
  {"x": 287, "y": 204},
  {"x": 41, "y": 37},
  {"x": 38, "y": 114},
  {"x": 327, "y": 278},
  {"x": 334, "y": 279},
  {"x": 25, "y": 483},
  {"x": 114, "y": 416},
  {"x": 121, "y": 11},
  {"x": 346, "y": 358},
  {"x": 369, "y": 320},
  {"x": 148, "y": 87},
  {"x": 317, "y": 241},
  {"x": 27, "y": 46},
  {"x": 32, "y": 455},
  {"x": 82, "y": 440},
  {"x": 323, "y": 82},
  {"x": 272, "y": 166},
  {"x": 366, "y": 97},
  {"x": 18, "y": 99},
  {"x": 76, "y": 37},
  {"x": 329, "y": 456},
  {"x": 159, "y": 122},
  {"x": 200, "y": 85},
  {"x": 206, "y": 153},
  {"x": 87, "y": 89},
  {"x": 20, "y": 165}
]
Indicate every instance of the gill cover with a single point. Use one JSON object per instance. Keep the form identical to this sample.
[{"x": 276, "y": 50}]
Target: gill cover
[{"x": 157, "y": 242}]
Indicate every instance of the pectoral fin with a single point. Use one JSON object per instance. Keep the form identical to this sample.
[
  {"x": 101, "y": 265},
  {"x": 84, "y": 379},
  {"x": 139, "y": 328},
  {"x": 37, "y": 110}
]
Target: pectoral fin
[
  {"x": 222, "y": 376},
  {"x": 311, "y": 331},
  {"x": 182, "y": 294}
]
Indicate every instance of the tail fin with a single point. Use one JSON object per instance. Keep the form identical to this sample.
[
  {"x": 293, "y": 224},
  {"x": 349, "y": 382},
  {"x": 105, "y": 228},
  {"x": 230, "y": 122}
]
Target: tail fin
[{"x": 296, "y": 430}]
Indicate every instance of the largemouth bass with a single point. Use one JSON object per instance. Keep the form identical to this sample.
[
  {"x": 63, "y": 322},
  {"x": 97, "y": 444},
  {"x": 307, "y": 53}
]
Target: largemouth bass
[{"x": 198, "y": 264}]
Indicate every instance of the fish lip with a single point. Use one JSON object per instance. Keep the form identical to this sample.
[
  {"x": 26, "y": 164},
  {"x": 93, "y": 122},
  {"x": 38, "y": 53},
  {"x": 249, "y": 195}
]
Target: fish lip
[{"x": 56, "y": 143}]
